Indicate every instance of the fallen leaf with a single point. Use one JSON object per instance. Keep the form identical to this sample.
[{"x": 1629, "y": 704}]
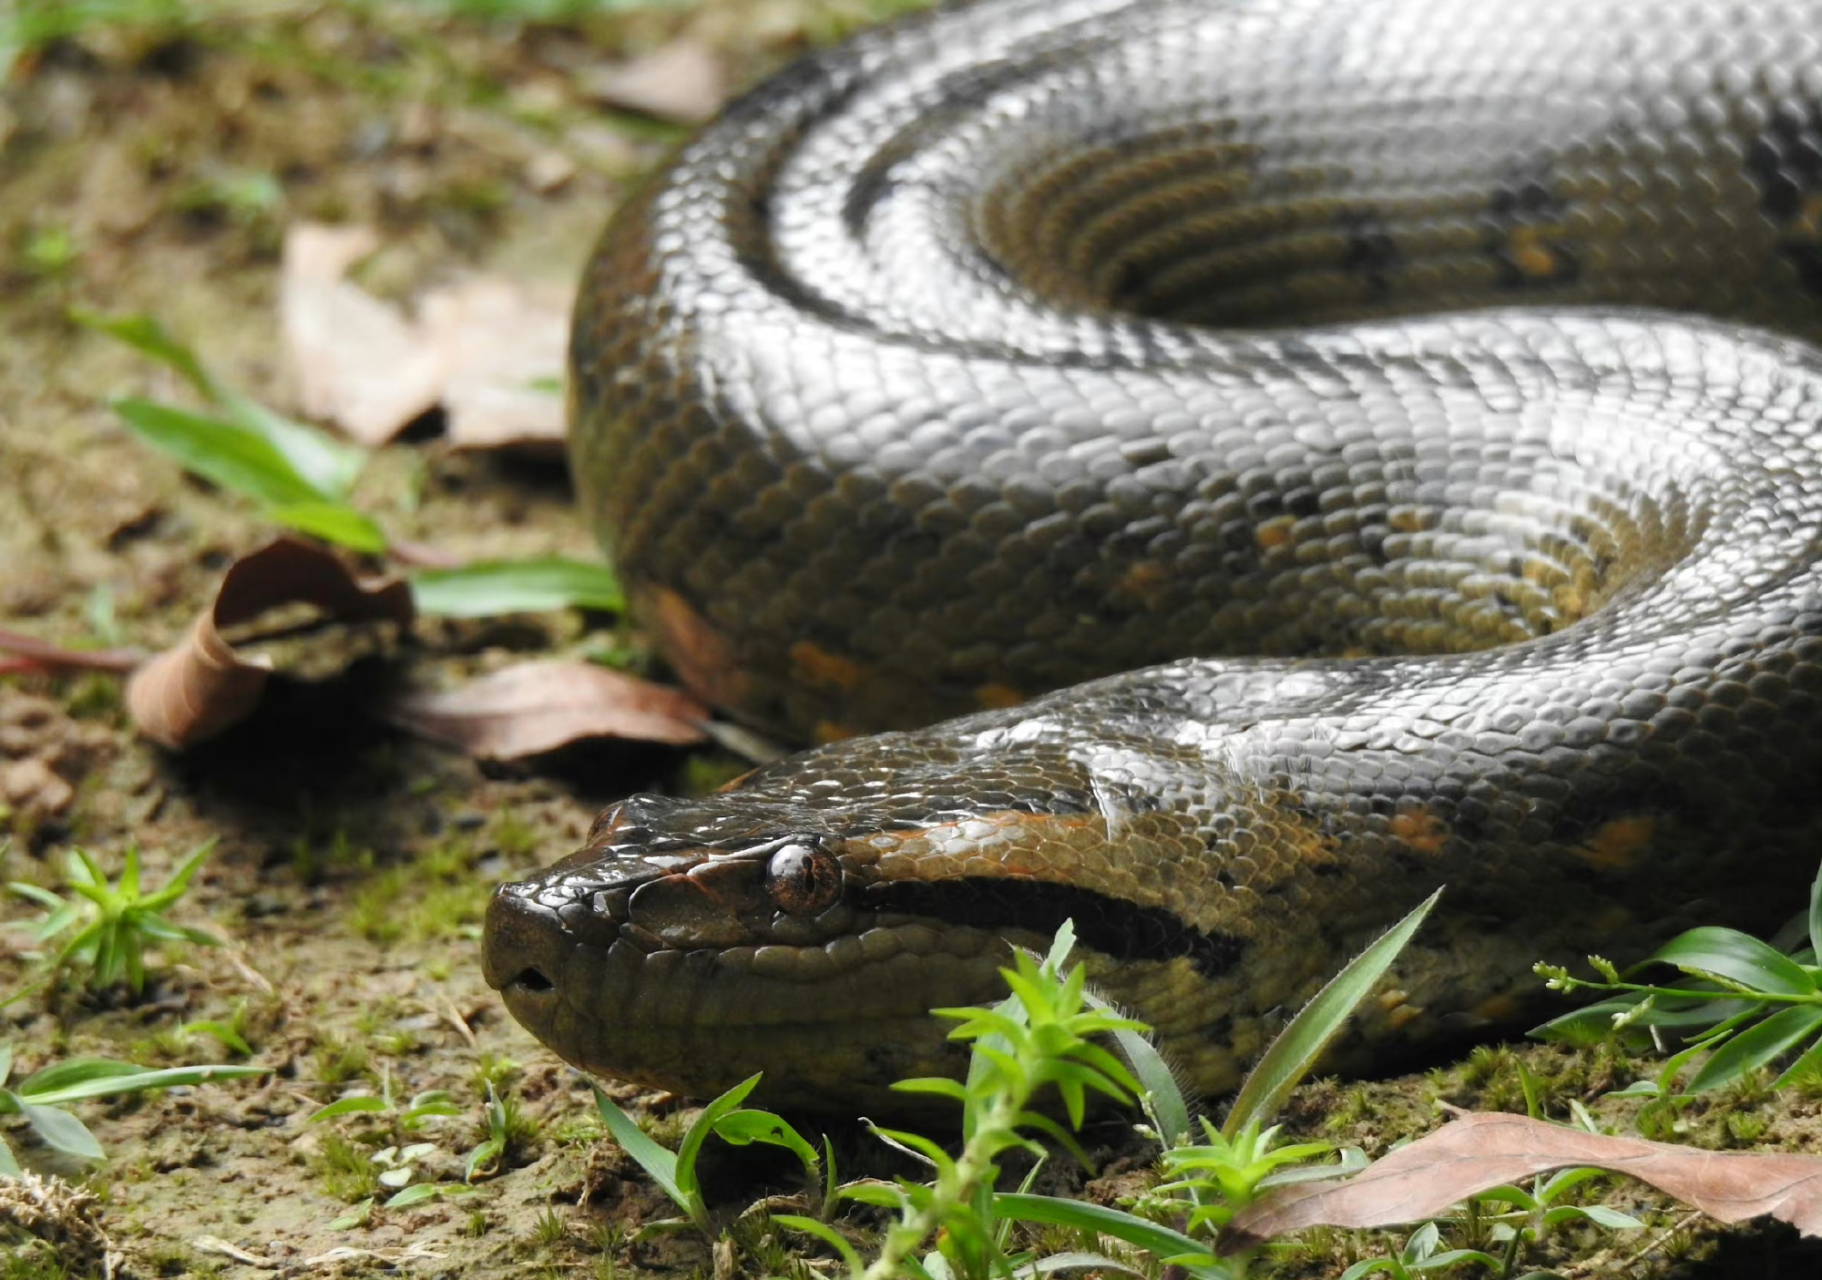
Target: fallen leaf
[
  {"x": 502, "y": 346},
  {"x": 1479, "y": 1151},
  {"x": 360, "y": 362},
  {"x": 490, "y": 351},
  {"x": 683, "y": 81},
  {"x": 201, "y": 687},
  {"x": 536, "y": 707}
]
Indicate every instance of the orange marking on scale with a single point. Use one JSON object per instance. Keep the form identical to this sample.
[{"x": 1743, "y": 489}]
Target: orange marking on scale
[{"x": 815, "y": 665}]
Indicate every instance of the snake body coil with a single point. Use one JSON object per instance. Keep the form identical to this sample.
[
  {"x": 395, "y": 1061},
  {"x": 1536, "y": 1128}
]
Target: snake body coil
[{"x": 1297, "y": 346}]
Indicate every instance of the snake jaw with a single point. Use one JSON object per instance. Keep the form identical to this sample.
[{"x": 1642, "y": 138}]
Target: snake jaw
[{"x": 689, "y": 969}]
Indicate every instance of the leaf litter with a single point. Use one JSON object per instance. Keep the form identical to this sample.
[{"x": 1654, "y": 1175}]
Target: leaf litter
[
  {"x": 202, "y": 686},
  {"x": 1478, "y": 1151},
  {"x": 488, "y": 350}
]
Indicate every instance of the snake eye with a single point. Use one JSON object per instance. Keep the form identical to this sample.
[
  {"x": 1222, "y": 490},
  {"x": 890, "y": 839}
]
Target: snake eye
[{"x": 803, "y": 880}]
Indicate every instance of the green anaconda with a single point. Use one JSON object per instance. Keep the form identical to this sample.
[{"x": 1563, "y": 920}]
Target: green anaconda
[{"x": 1309, "y": 378}]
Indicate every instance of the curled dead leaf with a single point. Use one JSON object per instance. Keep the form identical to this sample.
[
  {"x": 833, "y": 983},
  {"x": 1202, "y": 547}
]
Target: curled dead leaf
[
  {"x": 201, "y": 687},
  {"x": 1479, "y": 1151},
  {"x": 535, "y": 707}
]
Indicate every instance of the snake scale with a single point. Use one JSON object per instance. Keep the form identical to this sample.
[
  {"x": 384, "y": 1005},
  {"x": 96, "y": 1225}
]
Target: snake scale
[{"x": 1312, "y": 380}]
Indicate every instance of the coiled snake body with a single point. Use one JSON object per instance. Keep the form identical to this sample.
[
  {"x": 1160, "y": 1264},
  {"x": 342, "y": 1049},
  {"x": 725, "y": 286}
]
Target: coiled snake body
[{"x": 1300, "y": 347}]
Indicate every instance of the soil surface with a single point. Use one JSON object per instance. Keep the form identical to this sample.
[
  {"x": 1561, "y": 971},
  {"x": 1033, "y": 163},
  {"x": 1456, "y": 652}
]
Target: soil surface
[{"x": 150, "y": 164}]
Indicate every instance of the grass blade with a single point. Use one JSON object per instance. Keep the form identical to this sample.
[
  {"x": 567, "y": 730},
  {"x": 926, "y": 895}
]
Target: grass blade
[
  {"x": 492, "y": 587},
  {"x": 332, "y": 522},
  {"x": 1298, "y": 1046},
  {"x": 1054, "y": 1211},
  {"x": 220, "y": 452},
  {"x": 1815, "y": 917},
  {"x": 654, "y": 1159},
  {"x": 698, "y": 1133},
  {"x": 163, "y": 1078},
  {"x": 329, "y": 464}
]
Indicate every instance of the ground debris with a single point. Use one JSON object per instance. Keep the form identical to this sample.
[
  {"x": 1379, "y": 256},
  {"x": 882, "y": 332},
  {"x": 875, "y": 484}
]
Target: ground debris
[{"x": 61, "y": 1217}]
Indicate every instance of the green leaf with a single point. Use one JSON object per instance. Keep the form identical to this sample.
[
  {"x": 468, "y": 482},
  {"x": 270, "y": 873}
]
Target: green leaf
[
  {"x": 359, "y": 1104},
  {"x": 1077, "y": 1261},
  {"x": 76, "y": 1071},
  {"x": 162, "y": 1078},
  {"x": 1815, "y": 916},
  {"x": 1454, "y": 1257},
  {"x": 413, "y": 1194},
  {"x": 658, "y": 1163},
  {"x": 1164, "y": 1101},
  {"x": 740, "y": 1128},
  {"x": 220, "y": 452},
  {"x": 329, "y": 464},
  {"x": 1753, "y": 1048},
  {"x": 221, "y": 1031},
  {"x": 1735, "y": 957},
  {"x": 355, "y": 1217},
  {"x": 9, "y": 1163},
  {"x": 482, "y": 1158},
  {"x": 42, "y": 896},
  {"x": 62, "y": 1131},
  {"x": 1598, "y": 1214},
  {"x": 494, "y": 587},
  {"x": 150, "y": 338},
  {"x": 1297, "y": 1047},
  {"x": 1117, "y": 1223},
  {"x": 6, "y": 1062},
  {"x": 825, "y": 1233},
  {"x": 698, "y": 1133},
  {"x": 332, "y": 522},
  {"x": 937, "y": 1086}
]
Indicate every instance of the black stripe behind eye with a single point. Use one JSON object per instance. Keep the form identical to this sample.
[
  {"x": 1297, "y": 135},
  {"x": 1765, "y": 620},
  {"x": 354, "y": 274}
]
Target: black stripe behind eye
[{"x": 1123, "y": 930}]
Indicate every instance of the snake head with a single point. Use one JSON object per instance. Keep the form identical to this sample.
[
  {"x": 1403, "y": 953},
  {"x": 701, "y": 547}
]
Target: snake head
[{"x": 687, "y": 945}]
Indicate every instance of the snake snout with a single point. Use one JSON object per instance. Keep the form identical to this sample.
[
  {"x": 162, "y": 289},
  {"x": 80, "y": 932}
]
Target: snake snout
[{"x": 524, "y": 950}]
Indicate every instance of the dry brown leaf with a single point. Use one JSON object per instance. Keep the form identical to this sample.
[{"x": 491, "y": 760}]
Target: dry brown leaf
[
  {"x": 539, "y": 706},
  {"x": 1482, "y": 1150},
  {"x": 483, "y": 349},
  {"x": 683, "y": 81},
  {"x": 501, "y": 344},
  {"x": 359, "y": 362},
  {"x": 201, "y": 687}
]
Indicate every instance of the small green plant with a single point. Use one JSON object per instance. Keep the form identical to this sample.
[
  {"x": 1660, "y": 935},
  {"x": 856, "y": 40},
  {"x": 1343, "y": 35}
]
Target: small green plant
[
  {"x": 676, "y": 1173},
  {"x": 300, "y": 477},
  {"x": 1045, "y": 1035},
  {"x": 113, "y": 922},
  {"x": 505, "y": 1130},
  {"x": 1532, "y": 1217},
  {"x": 1422, "y": 1251},
  {"x": 1745, "y": 1006},
  {"x": 43, "y": 1097},
  {"x": 398, "y": 1161}
]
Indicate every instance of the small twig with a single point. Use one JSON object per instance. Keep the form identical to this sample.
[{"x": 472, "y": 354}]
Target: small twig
[
  {"x": 51, "y": 658},
  {"x": 421, "y": 555},
  {"x": 1664, "y": 1238},
  {"x": 455, "y": 1019}
]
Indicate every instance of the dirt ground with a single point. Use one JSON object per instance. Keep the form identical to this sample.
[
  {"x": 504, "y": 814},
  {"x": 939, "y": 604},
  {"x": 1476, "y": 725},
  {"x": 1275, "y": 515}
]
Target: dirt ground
[{"x": 150, "y": 164}]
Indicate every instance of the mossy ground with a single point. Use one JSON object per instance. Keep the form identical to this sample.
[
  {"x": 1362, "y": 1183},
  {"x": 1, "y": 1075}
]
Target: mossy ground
[{"x": 150, "y": 159}]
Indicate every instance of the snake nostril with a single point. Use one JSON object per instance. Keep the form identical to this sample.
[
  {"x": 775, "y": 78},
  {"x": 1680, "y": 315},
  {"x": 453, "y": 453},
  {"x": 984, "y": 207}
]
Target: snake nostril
[{"x": 533, "y": 980}]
